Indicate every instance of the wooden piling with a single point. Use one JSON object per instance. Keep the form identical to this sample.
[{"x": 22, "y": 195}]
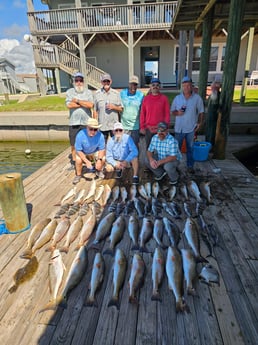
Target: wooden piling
[{"x": 13, "y": 202}]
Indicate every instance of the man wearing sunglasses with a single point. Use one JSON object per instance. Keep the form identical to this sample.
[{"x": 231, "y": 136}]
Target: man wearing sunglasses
[
  {"x": 163, "y": 154},
  {"x": 122, "y": 153},
  {"x": 79, "y": 101},
  {"x": 155, "y": 108},
  {"x": 107, "y": 106},
  {"x": 90, "y": 150}
]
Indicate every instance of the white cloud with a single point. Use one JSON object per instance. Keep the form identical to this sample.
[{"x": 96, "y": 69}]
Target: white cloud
[
  {"x": 19, "y": 54},
  {"x": 19, "y": 4},
  {"x": 15, "y": 30}
]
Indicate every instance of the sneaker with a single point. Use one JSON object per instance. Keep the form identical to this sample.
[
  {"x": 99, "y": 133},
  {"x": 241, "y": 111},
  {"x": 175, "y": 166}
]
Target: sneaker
[
  {"x": 158, "y": 178},
  {"x": 100, "y": 174},
  {"x": 118, "y": 174},
  {"x": 135, "y": 180},
  {"x": 76, "y": 179},
  {"x": 173, "y": 182},
  {"x": 71, "y": 167}
]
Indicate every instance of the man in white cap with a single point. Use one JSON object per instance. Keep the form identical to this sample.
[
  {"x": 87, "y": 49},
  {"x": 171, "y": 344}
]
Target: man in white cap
[
  {"x": 132, "y": 100},
  {"x": 90, "y": 150},
  {"x": 122, "y": 153},
  {"x": 107, "y": 106},
  {"x": 79, "y": 101},
  {"x": 188, "y": 109}
]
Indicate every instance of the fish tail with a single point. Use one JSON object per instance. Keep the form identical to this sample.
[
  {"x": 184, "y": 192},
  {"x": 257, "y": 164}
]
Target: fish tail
[
  {"x": 133, "y": 300},
  {"x": 156, "y": 296},
  {"x": 62, "y": 302},
  {"x": 201, "y": 259},
  {"x": 109, "y": 251},
  {"x": 143, "y": 250},
  {"x": 182, "y": 307},
  {"x": 114, "y": 301},
  {"x": 13, "y": 288},
  {"x": 27, "y": 254},
  {"x": 64, "y": 249},
  {"x": 50, "y": 306},
  {"x": 91, "y": 302},
  {"x": 191, "y": 291}
]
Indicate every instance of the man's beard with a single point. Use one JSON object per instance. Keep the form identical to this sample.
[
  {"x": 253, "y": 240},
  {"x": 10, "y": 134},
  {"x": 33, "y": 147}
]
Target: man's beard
[
  {"x": 79, "y": 89},
  {"x": 118, "y": 137},
  {"x": 214, "y": 95}
]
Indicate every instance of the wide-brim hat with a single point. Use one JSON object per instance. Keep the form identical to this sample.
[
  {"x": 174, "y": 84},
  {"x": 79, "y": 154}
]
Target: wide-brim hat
[{"x": 93, "y": 123}]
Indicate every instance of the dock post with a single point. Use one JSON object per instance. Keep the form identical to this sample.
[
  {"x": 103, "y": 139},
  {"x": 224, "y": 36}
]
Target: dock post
[{"x": 13, "y": 202}]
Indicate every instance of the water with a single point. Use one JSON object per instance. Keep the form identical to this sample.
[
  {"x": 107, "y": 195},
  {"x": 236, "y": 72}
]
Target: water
[
  {"x": 14, "y": 159},
  {"x": 249, "y": 158}
]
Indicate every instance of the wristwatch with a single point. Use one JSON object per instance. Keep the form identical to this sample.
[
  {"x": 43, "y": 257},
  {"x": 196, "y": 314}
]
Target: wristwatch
[{"x": 78, "y": 102}]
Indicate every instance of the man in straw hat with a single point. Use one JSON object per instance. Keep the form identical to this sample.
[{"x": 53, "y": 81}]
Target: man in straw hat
[{"x": 90, "y": 150}]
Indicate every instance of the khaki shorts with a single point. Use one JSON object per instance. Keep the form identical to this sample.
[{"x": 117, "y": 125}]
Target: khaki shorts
[{"x": 109, "y": 167}]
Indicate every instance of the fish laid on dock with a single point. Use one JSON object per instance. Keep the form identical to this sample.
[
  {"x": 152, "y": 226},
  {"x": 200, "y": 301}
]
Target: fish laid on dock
[
  {"x": 189, "y": 268},
  {"x": 34, "y": 235},
  {"x": 60, "y": 232},
  {"x": 133, "y": 230},
  {"x": 104, "y": 227},
  {"x": 24, "y": 274},
  {"x": 86, "y": 230},
  {"x": 76, "y": 272},
  {"x": 205, "y": 191},
  {"x": 136, "y": 277},
  {"x": 56, "y": 270},
  {"x": 209, "y": 274},
  {"x": 116, "y": 235},
  {"x": 194, "y": 190},
  {"x": 119, "y": 270},
  {"x": 157, "y": 274},
  {"x": 72, "y": 233},
  {"x": 97, "y": 276},
  {"x": 145, "y": 233}
]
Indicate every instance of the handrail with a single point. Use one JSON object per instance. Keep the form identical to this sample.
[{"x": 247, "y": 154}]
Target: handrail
[{"x": 110, "y": 18}]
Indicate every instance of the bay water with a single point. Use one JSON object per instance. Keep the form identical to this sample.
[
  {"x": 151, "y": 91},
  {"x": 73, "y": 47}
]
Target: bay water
[{"x": 27, "y": 157}]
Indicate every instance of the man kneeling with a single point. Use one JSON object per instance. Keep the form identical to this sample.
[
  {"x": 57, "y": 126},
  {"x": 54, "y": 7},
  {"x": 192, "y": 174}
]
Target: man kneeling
[
  {"x": 121, "y": 153},
  {"x": 90, "y": 150},
  {"x": 163, "y": 154}
]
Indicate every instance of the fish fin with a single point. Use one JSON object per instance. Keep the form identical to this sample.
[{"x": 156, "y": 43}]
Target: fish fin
[
  {"x": 156, "y": 297},
  {"x": 91, "y": 302},
  {"x": 27, "y": 254},
  {"x": 64, "y": 249},
  {"x": 133, "y": 300},
  {"x": 13, "y": 288},
  {"x": 50, "y": 306},
  {"x": 114, "y": 302},
  {"x": 109, "y": 251}
]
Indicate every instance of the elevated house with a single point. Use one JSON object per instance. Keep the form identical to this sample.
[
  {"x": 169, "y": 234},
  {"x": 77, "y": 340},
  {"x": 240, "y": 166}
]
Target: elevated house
[
  {"x": 9, "y": 84},
  {"x": 131, "y": 37}
]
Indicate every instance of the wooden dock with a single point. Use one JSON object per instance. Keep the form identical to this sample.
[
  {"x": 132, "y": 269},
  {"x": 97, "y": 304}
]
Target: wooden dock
[{"x": 225, "y": 314}]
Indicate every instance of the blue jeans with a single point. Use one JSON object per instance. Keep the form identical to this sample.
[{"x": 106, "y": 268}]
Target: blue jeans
[{"x": 189, "y": 138}]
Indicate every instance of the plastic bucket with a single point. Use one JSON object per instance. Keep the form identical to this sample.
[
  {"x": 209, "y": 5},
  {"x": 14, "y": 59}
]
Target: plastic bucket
[{"x": 201, "y": 150}]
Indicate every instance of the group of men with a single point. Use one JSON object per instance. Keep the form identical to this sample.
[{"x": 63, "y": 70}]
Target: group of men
[{"x": 105, "y": 129}]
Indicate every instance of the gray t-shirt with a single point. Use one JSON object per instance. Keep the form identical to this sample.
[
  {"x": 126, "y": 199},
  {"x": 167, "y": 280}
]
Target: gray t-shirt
[
  {"x": 107, "y": 118},
  {"x": 79, "y": 116}
]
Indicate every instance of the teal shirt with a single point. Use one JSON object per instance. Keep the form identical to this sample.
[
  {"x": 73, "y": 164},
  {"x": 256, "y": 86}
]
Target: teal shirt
[{"x": 131, "y": 114}]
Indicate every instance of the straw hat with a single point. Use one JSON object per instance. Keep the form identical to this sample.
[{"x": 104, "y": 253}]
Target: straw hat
[{"x": 93, "y": 123}]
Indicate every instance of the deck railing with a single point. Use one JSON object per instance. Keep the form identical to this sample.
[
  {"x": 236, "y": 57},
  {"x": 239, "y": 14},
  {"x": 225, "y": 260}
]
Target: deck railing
[
  {"x": 52, "y": 56},
  {"x": 158, "y": 16}
]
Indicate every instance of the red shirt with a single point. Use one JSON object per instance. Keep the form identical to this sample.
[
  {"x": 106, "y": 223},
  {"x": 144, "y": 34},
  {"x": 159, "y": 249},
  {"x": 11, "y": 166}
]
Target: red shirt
[{"x": 154, "y": 110}]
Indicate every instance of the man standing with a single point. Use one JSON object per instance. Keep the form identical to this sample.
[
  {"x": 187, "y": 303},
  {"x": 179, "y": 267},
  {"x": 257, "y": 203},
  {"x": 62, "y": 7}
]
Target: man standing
[
  {"x": 132, "y": 100},
  {"x": 122, "y": 153},
  {"x": 212, "y": 112},
  {"x": 79, "y": 101},
  {"x": 155, "y": 108},
  {"x": 90, "y": 150},
  {"x": 108, "y": 105},
  {"x": 163, "y": 154},
  {"x": 188, "y": 109}
]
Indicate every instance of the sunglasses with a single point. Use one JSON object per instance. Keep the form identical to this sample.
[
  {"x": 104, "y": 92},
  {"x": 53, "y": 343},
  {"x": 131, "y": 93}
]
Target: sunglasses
[
  {"x": 106, "y": 81},
  {"x": 80, "y": 80},
  {"x": 155, "y": 85},
  {"x": 161, "y": 130},
  {"x": 118, "y": 130},
  {"x": 92, "y": 129}
]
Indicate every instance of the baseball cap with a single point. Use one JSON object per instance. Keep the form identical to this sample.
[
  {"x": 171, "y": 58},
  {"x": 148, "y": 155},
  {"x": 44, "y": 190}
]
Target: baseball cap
[
  {"x": 186, "y": 80},
  {"x": 155, "y": 80},
  {"x": 106, "y": 77},
  {"x": 93, "y": 123},
  {"x": 134, "y": 79},
  {"x": 163, "y": 125},
  {"x": 118, "y": 125},
  {"x": 79, "y": 75}
]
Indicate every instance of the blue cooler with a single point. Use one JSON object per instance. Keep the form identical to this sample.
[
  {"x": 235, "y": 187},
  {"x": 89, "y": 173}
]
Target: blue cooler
[{"x": 201, "y": 150}]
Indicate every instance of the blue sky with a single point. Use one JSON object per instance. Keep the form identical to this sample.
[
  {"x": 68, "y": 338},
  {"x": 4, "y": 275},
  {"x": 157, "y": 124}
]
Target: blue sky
[{"x": 13, "y": 26}]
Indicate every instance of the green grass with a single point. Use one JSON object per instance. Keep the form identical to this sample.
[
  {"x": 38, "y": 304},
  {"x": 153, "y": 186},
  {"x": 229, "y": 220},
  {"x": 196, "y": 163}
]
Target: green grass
[{"x": 57, "y": 103}]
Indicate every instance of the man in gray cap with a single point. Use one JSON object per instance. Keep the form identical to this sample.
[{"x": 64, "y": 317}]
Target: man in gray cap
[
  {"x": 188, "y": 109},
  {"x": 107, "y": 106},
  {"x": 79, "y": 101},
  {"x": 163, "y": 154}
]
